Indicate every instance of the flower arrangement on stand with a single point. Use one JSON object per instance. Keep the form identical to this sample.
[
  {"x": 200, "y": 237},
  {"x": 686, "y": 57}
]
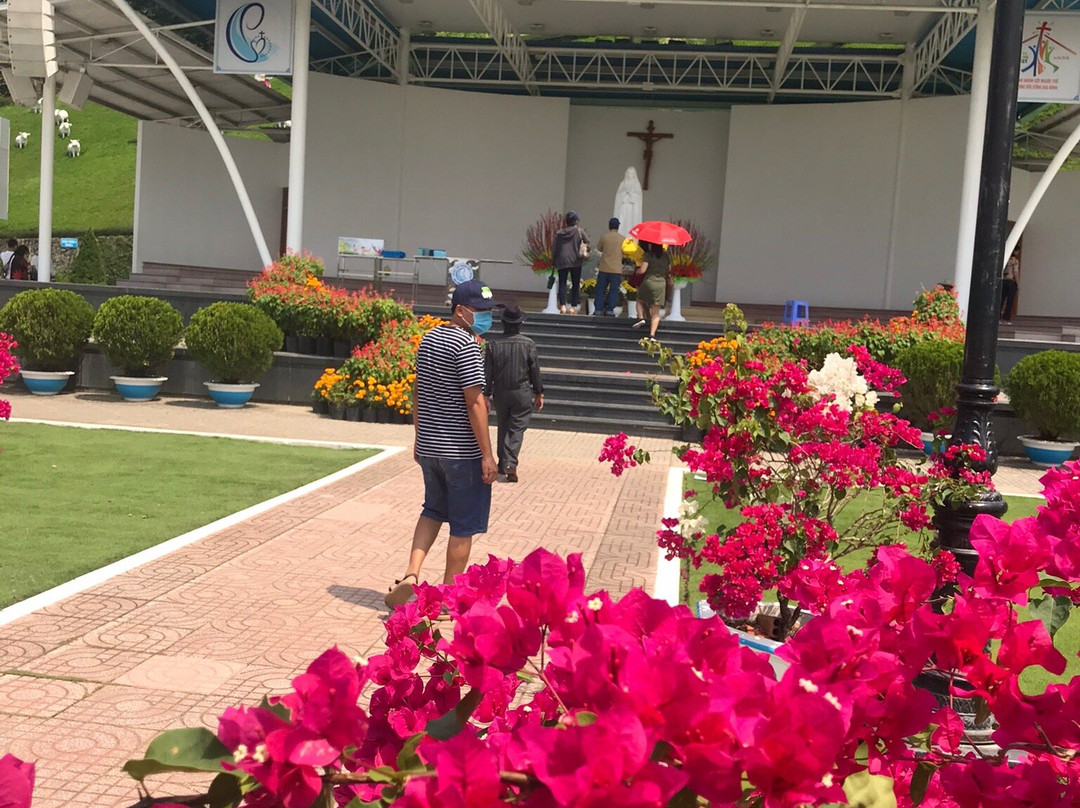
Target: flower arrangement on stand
[
  {"x": 689, "y": 261},
  {"x": 536, "y": 252},
  {"x": 539, "y": 239}
]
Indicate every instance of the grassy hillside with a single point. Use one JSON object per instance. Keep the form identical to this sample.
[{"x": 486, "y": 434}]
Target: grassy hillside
[{"x": 95, "y": 190}]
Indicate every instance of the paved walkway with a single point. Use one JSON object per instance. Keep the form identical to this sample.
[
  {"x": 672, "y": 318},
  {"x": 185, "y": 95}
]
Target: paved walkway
[{"x": 86, "y": 683}]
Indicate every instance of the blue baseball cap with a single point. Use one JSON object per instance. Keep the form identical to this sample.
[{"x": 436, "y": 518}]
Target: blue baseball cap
[{"x": 475, "y": 295}]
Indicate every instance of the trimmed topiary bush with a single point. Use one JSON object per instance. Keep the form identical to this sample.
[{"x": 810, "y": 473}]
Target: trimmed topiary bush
[
  {"x": 89, "y": 263},
  {"x": 50, "y": 325},
  {"x": 1044, "y": 390},
  {"x": 932, "y": 369},
  {"x": 138, "y": 334},
  {"x": 234, "y": 342}
]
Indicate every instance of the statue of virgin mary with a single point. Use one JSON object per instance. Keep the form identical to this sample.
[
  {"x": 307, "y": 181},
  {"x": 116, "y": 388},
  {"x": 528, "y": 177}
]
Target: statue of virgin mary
[{"x": 628, "y": 202}]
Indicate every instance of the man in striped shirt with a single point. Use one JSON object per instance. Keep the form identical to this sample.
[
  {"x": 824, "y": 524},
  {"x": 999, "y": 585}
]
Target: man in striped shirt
[{"x": 453, "y": 447}]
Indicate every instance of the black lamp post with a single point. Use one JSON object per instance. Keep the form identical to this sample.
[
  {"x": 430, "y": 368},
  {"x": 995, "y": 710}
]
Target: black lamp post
[{"x": 977, "y": 390}]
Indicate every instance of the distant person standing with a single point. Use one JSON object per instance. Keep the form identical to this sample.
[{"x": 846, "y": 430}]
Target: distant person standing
[
  {"x": 512, "y": 374},
  {"x": 609, "y": 277},
  {"x": 654, "y": 270},
  {"x": 453, "y": 447},
  {"x": 6, "y": 255},
  {"x": 570, "y": 249},
  {"x": 1010, "y": 285},
  {"x": 20, "y": 268}
]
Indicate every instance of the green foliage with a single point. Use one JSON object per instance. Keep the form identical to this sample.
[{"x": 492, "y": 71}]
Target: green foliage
[
  {"x": 192, "y": 749},
  {"x": 115, "y": 262},
  {"x": 378, "y": 312},
  {"x": 95, "y": 190},
  {"x": 299, "y": 265},
  {"x": 1044, "y": 390},
  {"x": 89, "y": 263},
  {"x": 235, "y": 342},
  {"x": 138, "y": 334},
  {"x": 117, "y": 252},
  {"x": 50, "y": 325},
  {"x": 937, "y": 304},
  {"x": 932, "y": 369}
]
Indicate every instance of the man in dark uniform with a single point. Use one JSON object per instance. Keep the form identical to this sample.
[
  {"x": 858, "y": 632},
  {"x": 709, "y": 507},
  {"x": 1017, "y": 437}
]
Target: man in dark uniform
[{"x": 512, "y": 375}]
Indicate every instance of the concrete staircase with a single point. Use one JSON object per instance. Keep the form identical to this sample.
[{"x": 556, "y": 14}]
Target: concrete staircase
[{"x": 596, "y": 375}]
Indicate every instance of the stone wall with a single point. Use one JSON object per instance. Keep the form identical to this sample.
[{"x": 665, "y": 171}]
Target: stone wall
[{"x": 62, "y": 258}]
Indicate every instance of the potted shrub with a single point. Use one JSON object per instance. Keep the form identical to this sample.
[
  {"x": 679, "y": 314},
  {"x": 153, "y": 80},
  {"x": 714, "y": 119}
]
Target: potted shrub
[
  {"x": 51, "y": 327},
  {"x": 932, "y": 369},
  {"x": 1044, "y": 390},
  {"x": 138, "y": 335},
  {"x": 235, "y": 344}
]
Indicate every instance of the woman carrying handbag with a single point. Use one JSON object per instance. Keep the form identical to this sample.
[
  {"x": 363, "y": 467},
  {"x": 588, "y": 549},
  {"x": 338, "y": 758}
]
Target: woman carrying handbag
[{"x": 569, "y": 251}]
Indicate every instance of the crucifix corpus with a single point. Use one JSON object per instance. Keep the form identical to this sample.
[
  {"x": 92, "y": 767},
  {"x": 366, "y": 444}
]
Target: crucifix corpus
[{"x": 649, "y": 137}]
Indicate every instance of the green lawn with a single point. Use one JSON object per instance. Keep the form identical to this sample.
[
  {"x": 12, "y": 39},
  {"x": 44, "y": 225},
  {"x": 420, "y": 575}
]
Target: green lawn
[
  {"x": 1033, "y": 680},
  {"x": 77, "y": 499},
  {"x": 95, "y": 190}
]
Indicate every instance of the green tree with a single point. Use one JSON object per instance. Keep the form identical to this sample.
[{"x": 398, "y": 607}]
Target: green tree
[{"x": 89, "y": 264}]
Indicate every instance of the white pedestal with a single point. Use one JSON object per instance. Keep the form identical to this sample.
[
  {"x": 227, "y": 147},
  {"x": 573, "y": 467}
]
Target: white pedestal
[
  {"x": 553, "y": 299},
  {"x": 676, "y": 305}
]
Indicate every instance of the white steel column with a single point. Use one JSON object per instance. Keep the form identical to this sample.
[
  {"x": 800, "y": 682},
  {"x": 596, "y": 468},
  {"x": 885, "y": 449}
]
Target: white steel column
[
  {"x": 45, "y": 194},
  {"x": 294, "y": 231},
  {"x": 208, "y": 122},
  {"x": 969, "y": 199}
]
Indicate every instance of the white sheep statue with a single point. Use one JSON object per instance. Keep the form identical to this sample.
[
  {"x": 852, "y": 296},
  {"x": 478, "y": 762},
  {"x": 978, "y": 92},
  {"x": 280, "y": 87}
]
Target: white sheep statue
[
  {"x": 21, "y": 140},
  {"x": 36, "y": 109},
  {"x": 61, "y": 116},
  {"x": 74, "y": 148},
  {"x": 64, "y": 129}
]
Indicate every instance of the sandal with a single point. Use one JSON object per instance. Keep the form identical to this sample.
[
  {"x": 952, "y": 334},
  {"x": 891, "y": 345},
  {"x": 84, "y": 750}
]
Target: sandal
[{"x": 401, "y": 591}]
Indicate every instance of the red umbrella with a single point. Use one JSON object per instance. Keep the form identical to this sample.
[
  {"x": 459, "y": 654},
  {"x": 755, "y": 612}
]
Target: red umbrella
[{"x": 660, "y": 233}]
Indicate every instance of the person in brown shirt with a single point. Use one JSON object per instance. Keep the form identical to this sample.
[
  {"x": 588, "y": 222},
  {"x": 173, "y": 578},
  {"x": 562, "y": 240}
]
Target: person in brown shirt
[{"x": 609, "y": 277}]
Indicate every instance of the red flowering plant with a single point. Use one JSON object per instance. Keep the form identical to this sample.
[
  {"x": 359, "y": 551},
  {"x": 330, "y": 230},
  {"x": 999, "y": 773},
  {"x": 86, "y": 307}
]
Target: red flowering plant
[
  {"x": 9, "y": 366},
  {"x": 934, "y": 316},
  {"x": 545, "y": 695},
  {"x": 810, "y": 463}
]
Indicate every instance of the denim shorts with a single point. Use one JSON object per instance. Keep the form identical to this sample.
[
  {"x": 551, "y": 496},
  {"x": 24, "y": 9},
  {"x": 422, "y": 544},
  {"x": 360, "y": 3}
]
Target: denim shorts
[{"x": 455, "y": 492}]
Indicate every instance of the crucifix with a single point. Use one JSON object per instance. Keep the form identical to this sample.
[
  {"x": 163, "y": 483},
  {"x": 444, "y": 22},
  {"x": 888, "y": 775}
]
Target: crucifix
[{"x": 649, "y": 137}]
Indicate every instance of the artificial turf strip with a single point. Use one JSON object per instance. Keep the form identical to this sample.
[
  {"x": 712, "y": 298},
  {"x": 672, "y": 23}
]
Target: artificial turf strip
[{"x": 74, "y": 500}]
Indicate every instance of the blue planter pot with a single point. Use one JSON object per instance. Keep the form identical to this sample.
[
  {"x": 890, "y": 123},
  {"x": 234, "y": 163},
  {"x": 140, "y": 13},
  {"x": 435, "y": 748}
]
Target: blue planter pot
[
  {"x": 133, "y": 388},
  {"x": 45, "y": 382},
  {"x": 928, "y": 439},
  {"x": 1047, "y": 454},
  {"x": 230, "y": 396}
]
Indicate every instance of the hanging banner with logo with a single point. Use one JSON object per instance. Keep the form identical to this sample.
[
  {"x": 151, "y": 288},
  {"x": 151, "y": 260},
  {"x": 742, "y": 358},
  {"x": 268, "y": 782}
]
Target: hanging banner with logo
[
  {"x": 254, "y": 36},
  {"x": 1050, "y": 58}
]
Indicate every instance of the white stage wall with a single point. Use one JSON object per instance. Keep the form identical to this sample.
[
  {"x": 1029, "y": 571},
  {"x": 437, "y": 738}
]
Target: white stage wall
[
  {"x": 186, "y": 211},
  {"x": 829, "y": 203},
  {"x": 687, "y": 179},
  {"x": 811, "y": 209},
  {"x": 421, "y": 167},
  {"x": 1050, "y": 267}
]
